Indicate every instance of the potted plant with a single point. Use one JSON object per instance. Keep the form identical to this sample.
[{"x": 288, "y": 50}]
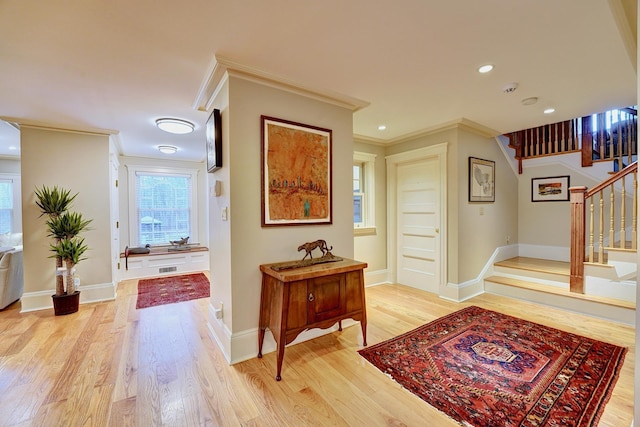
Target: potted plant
[{"x": 67, "y": 247}]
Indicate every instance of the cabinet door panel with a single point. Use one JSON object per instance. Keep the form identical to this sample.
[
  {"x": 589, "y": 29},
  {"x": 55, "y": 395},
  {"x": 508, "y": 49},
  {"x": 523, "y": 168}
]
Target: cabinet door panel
[
  {"x": 327, "y": 296},
  {"x": 297, "y": 309},
  {"x": 355, "y": 298}
]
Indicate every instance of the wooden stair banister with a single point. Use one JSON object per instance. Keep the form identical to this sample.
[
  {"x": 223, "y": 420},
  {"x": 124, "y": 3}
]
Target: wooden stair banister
[
  {"x": 578, "y": 198},
  {"x": 606, "y": 136}
]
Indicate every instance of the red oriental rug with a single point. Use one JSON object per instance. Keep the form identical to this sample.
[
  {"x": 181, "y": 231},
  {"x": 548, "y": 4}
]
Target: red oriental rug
[
  {"x": 170, "y": 289},
  {"x": 483, "y": 368}
]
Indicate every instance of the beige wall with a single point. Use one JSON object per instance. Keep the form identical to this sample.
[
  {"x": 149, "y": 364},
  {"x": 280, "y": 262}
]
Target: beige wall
[
  {"x": 472, "y": 237},
  {"x": 10, "y": 166},
  {"x": 546, "y": 223},
  {"x": 247, "y": 243},
  {"x": 78, "y": 162},
  {"x": 483, "y": 227},
  {"x": 372, "y": 249}
]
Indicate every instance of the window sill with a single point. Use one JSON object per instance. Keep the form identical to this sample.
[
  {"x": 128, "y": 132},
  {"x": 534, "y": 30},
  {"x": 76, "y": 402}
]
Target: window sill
[{"x": 364, "y": 231}]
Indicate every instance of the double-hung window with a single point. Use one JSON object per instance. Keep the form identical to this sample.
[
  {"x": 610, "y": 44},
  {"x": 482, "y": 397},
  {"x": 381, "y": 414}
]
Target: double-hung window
[
  {"x": 162, "y": 206},
  {"x": 363, "y": 193}
]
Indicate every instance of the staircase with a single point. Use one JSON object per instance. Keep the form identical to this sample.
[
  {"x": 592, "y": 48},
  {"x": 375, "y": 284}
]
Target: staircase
[
  {"x": 547, "y": 282},
  {"x": 601, "y": 276}
]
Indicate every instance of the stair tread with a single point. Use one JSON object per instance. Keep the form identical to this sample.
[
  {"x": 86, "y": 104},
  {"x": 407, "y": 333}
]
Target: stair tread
[
  {"x": 537, "y": 264},
  {"x": 525, "y": 284}
]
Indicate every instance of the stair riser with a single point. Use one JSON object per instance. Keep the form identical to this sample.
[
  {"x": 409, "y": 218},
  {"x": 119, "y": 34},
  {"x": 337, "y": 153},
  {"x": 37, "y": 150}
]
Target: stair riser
[
  {"x": 623, "y": 256},
  {"x": 543, "y": 277},
  {"x": 605, "y": 311}
]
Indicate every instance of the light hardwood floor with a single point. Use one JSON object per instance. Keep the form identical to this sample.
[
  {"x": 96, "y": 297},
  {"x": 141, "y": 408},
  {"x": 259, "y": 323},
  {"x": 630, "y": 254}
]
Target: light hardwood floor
[{"x": 112, "y": 365}]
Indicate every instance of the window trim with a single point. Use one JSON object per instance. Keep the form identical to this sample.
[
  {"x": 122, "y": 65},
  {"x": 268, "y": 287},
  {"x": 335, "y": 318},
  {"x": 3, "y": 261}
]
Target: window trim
[
  {"x": 133, "y": 170},
  {"x": 367, "y": 160}
]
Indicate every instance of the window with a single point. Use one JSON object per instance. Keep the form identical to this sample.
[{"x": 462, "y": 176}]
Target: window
[
  {"x": 363, "y": 193},
  {"x": 10, "y": 204},
  {"x": 162, "y": 205},
  {"x": 358, "y": 194}
]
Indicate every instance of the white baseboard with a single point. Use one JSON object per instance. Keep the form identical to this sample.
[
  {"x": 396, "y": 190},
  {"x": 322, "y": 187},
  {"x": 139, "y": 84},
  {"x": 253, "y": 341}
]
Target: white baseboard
[
  {"x": 243, "y": 345},
  {"x": 219, "y": 333},
  {"x": 378, "y": 277},
  {"x": 41, "y": 300},
  {"x": 459, "y": 292}
]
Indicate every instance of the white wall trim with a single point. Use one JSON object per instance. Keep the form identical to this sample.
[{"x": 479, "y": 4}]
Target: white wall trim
[
  {"x": 219, "y": 333},
  {"x": 245, "y": 343},
  {"x": 41, "y": 300},
  {"x": 393, "y": 161},
  {"x": 220, "y": 67},
  {"x": 379, "y": 277},
  {"x": 459, "y": 292}
]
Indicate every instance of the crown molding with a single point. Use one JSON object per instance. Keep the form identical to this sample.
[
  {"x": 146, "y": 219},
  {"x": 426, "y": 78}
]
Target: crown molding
[
  {"x": 34, "y": 124},
  {"x": 461, "y": 123},
  {"x": 369, "y": 140},
  {"x": 222, "y": 67},
  {"x": 625, "y": 15}
]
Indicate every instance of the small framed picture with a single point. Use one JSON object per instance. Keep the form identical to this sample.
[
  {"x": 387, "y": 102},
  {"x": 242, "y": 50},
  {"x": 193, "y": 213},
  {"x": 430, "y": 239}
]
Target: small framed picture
[
  {"x": 482, "y": 178},
  {"x": 214, "y": 141},
  {"x": 550, "y": 189}
]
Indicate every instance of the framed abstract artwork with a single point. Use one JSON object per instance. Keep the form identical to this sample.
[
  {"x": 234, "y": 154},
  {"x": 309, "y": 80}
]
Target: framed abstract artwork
[
  {"x": 482, "y": 177},
  {"x": 550, "y": 189},
  {"x": 296, "y": 173}
]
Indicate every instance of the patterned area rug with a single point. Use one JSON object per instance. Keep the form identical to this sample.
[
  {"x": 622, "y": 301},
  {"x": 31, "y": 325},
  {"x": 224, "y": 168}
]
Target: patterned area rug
[
  {"x": 170, "y": 289},
  {"x": 483, "y": 368}
]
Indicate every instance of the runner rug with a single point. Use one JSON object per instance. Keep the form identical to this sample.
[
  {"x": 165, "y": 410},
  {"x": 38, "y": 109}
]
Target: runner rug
[
  {"x": 170, "y": 289},
  {"x": 483, "y": 368}
]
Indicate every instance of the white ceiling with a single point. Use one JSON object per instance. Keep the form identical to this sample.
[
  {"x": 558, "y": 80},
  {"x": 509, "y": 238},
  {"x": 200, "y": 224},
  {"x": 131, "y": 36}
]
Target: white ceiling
[{"x": 119, "y": 65}]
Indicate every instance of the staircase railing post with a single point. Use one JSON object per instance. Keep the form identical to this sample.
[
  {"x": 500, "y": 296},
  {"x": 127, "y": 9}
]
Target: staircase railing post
[{"x": 576, "y": 283}]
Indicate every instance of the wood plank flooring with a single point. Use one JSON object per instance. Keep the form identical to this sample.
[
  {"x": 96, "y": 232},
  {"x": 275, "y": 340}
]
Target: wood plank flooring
[{"x": 112, "y": 365}]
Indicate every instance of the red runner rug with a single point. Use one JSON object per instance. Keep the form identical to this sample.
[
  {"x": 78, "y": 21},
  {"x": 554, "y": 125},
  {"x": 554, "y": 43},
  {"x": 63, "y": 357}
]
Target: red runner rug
[
  {"x": 483, "y": 368},
  {"x": 170, "y": 289}
]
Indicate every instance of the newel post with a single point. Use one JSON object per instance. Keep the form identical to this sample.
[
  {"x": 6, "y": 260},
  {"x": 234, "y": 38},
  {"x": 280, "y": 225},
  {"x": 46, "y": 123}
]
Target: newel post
[{"x": 576, "y": 283}]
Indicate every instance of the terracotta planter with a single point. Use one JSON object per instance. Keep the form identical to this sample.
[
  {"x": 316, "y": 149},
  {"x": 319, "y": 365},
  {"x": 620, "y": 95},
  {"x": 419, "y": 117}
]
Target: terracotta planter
[{"x": 66, "y": 304}]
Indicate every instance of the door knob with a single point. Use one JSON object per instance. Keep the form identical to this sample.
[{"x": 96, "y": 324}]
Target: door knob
[{"x": 310, "y": 297}]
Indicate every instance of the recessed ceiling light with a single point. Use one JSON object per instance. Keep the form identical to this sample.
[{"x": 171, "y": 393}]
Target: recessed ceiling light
[
  {"x": 549, "y": 110},
  {"x": 177, "y": 126},
  {"x": 382, "y": 127},
  {"x": 485, "y": 68},
  {"x": 167, "y": 149}
]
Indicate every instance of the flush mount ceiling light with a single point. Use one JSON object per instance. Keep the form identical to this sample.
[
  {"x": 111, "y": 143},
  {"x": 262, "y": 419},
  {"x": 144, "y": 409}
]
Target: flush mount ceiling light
[
  {"x": 167, "y": 149},
  {"x": 485, "y": 68},
  {"x": 176, "y": 126},
  {"x": 549, "y": 110}
]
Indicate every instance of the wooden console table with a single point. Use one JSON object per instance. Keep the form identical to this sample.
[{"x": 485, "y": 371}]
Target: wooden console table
[{"x": 317, "y": 296}]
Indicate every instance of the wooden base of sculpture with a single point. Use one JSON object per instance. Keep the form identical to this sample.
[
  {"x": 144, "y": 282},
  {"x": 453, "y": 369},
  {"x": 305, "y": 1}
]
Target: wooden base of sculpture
[{"x": 329, "y": 257}]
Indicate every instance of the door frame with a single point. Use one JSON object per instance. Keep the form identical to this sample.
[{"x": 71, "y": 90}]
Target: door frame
[{"x": 393, "y": 161}]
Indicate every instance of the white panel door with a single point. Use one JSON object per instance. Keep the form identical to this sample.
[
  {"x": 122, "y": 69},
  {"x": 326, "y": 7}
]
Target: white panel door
[{"x": 418, "y": 215}]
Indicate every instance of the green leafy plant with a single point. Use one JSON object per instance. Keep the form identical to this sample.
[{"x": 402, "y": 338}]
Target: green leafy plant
[{"x": 64, "y": 227}]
